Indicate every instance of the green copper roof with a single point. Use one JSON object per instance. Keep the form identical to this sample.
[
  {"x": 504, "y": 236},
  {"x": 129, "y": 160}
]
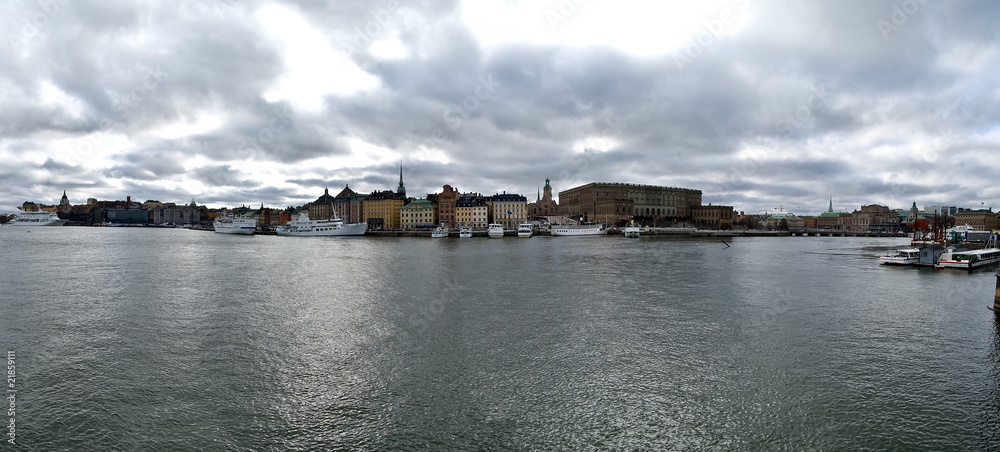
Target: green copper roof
[{"x": 419, "y": 204}]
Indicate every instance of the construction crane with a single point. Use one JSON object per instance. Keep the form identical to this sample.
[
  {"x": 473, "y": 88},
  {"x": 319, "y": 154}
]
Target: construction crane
[{"x": 781, "y": 208}]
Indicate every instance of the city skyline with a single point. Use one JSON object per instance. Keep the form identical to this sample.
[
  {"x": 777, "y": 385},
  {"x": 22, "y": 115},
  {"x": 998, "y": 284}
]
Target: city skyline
[{"x": 758, "y": 104}]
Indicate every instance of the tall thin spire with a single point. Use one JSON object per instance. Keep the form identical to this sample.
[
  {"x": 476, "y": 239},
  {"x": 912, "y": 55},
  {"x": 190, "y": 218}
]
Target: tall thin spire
[
  {"x": 831, "y": 204},
  {"x": 401, "y": 190}
]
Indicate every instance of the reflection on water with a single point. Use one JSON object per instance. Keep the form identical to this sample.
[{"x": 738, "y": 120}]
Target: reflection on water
[{"x": 172, "y": 339}]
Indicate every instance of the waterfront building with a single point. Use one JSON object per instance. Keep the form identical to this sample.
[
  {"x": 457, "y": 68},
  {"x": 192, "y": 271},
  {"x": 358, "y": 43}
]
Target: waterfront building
[
  {"x": 543, "y": 206},
  {"x": 357, "y": 212},
  {"x": 982, "y": 220},
  {"x": 446, "y": 202},
  {"x": 127, "y": 216},
  {"x": 172, "y": 213},
  {"x": 509, "y": 210},
  {"x": 471, "y": 210},
  {"x": 381, "y": 209},
  {"x": 419, "y": 212},
  {"x": 646, "y": 200},
  {"x": 721, "y": 217},
  {"x": 941, "y": 211},
  {"x": 64, "y": 207},
  {"x": 874, "y": 218},
  {"x": 342, "y": 203},
  {"x": 322, "y": 207},
  {"x": 831, "y": 219}
]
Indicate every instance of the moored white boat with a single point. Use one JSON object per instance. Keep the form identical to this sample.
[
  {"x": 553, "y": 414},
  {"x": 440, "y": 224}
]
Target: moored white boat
[
  {"x": 579, "y": 230},
  {"x": 465, "y": 232},
  {"x": 970, "y": 259},
  {"x": 439, "y": 232},
  {"x": 495, "y": 230},
  {"x": 525, "y": 230},
  {"x": 37, "y": 219},
  {"x": 632, "y": 230},
  {"x": 908, "y": 256},
  {"x": 230, "y": 225},
  {"x": 334, "y": 227}
]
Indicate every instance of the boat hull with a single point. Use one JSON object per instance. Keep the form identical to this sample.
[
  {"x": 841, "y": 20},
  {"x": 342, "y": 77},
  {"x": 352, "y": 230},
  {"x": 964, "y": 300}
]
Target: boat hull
[
  {"x": 578, "y": 232},
  {"x": 898, "y": 261},
  {"x": 237, "y": 227},
  {"x": 38, "y": 223},
  {"x": 243, "y": 230},
  {"x": 982, "y": 259},
  {"x": 348, "y": 230}
]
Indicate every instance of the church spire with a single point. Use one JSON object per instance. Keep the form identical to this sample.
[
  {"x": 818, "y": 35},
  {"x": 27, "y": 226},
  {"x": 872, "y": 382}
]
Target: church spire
[
  {"x": 831, "y": 204},
  {"x": 401, "y": 190}
]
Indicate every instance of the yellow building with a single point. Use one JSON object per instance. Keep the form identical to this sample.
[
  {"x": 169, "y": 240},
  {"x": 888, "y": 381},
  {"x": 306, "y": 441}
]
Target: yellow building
[
  {"x": 721, "y": 217},
  {"x": 510, "y": 210},
  {"x": 419, "y": 212},
  {"x": 471, "y": 210},
  {"x": 381, "y": 210},
  {"x": 646, "y": 200}
]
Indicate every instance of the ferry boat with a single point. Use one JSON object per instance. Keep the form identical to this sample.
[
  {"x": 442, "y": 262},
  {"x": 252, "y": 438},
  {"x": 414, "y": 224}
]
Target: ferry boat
[
  {"x": 230, "y": 225},
  {"x": 578, "y": 230},
  {"x": 465, "y": 232},
  {"x": 908, "y": 256},
  {"x": 37, "y": 219},
  {"x": 525, "y": 230},
  {"x": 439, "y": 232},
  {"x": 334, "y": 227},
  {"x": 632, "y": 230},
  {"x": 969, "y": 259},
  {"x": 495, "y": 230}
]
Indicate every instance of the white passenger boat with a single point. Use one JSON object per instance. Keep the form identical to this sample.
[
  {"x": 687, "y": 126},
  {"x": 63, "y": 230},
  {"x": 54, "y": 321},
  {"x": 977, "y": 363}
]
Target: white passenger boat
[
  {"x": 230, "y": 225},
  {"x": 972, "y": 258},
  {"x": 465, "y": 232},
  {"x": 333, "y": 227},
  {"x": 908, "y": 256},
  {"x": 632, "y": 230},
  {"x": 525, "y": 230},
  {"x": 495, "y": 230},
  {"x": 37, "y": 219},
  {"x": 439, "y": 232},
  {"x": 578, "y": 230}
]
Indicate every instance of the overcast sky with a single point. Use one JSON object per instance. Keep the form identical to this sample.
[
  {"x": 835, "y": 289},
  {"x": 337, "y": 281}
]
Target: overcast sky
[{"x": 758, "y": 104}]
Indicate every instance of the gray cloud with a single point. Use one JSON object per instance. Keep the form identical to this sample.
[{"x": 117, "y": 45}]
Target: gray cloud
[{"x": 803, "y": 102}]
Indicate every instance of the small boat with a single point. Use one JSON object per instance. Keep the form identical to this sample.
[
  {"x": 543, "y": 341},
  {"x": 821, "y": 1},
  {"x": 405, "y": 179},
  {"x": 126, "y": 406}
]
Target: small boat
[
  {"x": 525, "y": 230},
  {"x": 37, "y": 219},
  {"x": 439, "y": 232},
  {"x": 334, "y": 227},
  {"x": 908, "y": 256},
  {"x": 579, "y": 230},
  {"x": 230, "y": 225},
  {"x": 632, "y": 230},
  {"x": 495, "y": 230},
  {"x": 465, "y": 232}
]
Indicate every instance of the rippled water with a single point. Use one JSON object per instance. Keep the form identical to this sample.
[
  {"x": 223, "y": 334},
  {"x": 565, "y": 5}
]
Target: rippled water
[{"x": 137, "y": 339}]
